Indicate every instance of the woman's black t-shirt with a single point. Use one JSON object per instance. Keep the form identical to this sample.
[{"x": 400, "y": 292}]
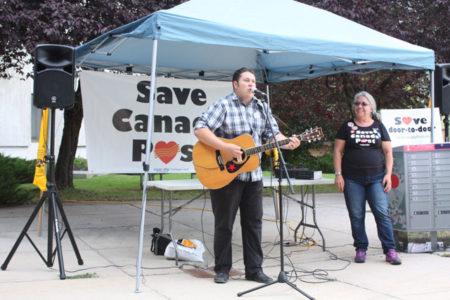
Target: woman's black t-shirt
[{"x": 363, "y": 155}]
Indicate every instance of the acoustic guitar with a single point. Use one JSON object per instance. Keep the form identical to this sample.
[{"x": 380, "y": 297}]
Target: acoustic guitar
[{"x": 216, "y": 169}]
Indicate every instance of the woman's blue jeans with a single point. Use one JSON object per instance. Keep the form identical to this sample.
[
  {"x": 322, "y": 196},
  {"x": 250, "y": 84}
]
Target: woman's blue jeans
[{"x": 357, "y": 190}]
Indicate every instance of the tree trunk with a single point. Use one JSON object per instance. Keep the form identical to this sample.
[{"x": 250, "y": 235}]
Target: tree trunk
[{"x": 69, "y": 143}]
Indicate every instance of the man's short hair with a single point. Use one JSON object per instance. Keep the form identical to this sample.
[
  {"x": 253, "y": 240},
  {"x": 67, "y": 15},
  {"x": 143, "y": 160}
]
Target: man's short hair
[{"x": 237, "y": 73}]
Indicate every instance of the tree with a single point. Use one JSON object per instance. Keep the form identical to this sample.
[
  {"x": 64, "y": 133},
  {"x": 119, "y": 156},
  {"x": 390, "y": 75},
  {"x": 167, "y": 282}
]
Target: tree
[
  {"x": 418, "y": 22},
  {"x": 326, "y": 101},
  {"x": 27, "y": 23}
]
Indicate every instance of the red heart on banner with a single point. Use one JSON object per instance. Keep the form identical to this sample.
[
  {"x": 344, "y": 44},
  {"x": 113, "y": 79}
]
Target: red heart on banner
[
  {"x": 166, "y": 151},
  {"x": 406, "y": 120}
]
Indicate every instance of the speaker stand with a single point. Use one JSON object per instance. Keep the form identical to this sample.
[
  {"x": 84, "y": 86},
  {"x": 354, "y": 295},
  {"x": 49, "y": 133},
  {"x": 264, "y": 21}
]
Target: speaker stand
[{"x": 55, "y": 205}]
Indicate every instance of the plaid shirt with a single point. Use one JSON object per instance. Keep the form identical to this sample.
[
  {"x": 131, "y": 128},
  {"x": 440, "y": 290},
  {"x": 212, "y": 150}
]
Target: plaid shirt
[{"x": 229, "y": 117}]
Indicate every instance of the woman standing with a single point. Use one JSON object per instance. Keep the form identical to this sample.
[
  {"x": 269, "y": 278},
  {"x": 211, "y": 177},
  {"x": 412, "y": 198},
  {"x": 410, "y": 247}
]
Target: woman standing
[{"x": 363, "y": 164}]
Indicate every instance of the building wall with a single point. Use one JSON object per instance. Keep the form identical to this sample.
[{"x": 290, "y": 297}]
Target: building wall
[{"x": 20, "y": 121}]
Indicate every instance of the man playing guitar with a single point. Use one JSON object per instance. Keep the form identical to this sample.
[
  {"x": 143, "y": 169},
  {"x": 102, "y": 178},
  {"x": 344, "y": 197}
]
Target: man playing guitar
[{"x": 237, "y": 114}]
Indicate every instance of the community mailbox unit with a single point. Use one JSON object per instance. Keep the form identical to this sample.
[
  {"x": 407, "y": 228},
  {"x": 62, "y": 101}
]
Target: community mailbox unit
[{"x": 420, "y": 195}]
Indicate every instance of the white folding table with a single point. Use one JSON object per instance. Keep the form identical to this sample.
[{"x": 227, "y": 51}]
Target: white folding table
[{"x": 194, "y": 184}]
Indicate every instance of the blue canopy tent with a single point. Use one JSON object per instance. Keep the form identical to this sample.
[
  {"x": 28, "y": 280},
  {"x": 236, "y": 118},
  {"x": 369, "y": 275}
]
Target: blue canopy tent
[
  {"x": 284, "y": 39},
  {"x": 281, "y": 40}
]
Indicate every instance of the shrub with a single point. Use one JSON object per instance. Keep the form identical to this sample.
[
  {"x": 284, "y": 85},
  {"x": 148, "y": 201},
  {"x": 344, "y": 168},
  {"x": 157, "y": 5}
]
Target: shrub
[
  {"x": 324, "y": 163},
  {"x": 23, "y": 169},
  {"x": 80, "y": 164},
  {"x": 10, "y": 181},
  {"x": 303, "y": 158}
]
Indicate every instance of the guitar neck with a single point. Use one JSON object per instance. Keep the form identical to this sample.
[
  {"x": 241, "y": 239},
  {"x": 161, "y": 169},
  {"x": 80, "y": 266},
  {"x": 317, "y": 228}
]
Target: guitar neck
[
  {"x": 308, "y": 135},
  {"x": 269, "y": 146}
]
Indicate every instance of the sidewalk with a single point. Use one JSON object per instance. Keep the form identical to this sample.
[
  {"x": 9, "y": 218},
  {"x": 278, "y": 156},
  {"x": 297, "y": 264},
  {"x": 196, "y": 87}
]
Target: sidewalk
[{"x": 107, "y": 237}]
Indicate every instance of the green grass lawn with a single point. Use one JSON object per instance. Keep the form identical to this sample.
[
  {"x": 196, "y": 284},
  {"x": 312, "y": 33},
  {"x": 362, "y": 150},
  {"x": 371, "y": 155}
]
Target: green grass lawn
[{"x": 116, "y": 187}]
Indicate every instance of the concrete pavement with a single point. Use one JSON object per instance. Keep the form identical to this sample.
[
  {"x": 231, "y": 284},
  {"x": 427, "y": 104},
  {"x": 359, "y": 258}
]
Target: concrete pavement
[{"x": 107, "y": 237}]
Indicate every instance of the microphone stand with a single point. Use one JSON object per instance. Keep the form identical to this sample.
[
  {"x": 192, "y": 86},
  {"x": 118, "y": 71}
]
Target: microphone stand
[{"x": 282, "y": 278}]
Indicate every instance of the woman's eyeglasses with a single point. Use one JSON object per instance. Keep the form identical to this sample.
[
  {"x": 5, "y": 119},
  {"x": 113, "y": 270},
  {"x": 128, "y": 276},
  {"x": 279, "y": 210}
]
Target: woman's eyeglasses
[{"x": 360, "y": 103}]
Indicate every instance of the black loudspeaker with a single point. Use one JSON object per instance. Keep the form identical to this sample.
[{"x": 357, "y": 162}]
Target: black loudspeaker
[
  {"x": 54, "y": 75},
  {"x": 442, "y": 88}
]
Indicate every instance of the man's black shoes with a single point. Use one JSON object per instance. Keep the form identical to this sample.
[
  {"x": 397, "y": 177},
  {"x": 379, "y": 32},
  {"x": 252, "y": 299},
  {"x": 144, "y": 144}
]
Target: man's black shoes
[
  {"x": 221, "y": 277},
  {"x": 259, "y": 276}
]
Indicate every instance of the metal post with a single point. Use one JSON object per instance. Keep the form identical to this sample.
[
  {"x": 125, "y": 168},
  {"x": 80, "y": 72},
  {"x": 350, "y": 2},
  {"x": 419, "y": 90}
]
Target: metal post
[
  {"x": 432, "y": 105},
  {"x": 146, "y": 164}
]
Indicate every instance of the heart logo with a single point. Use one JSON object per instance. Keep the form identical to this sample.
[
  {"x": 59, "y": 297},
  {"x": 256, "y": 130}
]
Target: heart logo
[
  {"x": 407, "y": 120},
  {"x": 166, "y": 151}
]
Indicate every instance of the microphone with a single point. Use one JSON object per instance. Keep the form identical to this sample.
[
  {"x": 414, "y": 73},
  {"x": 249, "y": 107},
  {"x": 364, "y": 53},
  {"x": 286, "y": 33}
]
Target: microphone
[{"x": 258, "y": 92}]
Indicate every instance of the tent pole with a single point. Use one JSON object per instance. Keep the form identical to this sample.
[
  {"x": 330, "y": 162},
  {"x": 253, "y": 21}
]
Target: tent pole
[
  {"x": 432, "y": 105},
  {"x": 93, "y": 51},
  {"x": 146, "y": 165},
  {"x": 433, "y": 234}
]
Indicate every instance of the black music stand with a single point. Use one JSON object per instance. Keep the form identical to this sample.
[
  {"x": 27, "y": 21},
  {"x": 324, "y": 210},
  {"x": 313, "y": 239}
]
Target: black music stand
[
  {"x": 55, "y": 204},
  {"x": 282, "y": 278}
]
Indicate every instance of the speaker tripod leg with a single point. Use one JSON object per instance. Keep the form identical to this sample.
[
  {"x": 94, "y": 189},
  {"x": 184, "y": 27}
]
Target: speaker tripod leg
[
  {"x": 23, "y": 233},
  {"x": 62, "y": 273},
  {"x": 69, "y": 231},
  {"x": 446, "y": 123},
  {"x": 50, "y": 224}
]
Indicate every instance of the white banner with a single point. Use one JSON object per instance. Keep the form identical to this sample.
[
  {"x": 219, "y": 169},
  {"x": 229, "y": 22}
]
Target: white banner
[
  {"x": 411, "y": 126},
  {"x": 115, "y": 111}
]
